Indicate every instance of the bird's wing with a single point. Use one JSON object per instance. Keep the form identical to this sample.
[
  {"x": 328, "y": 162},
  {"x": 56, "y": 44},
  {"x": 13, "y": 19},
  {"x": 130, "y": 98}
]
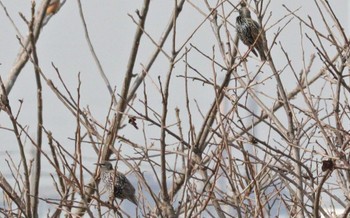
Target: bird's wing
[
  {"x": 244, "y": 30},
  {"x": 255, "y": 29}
]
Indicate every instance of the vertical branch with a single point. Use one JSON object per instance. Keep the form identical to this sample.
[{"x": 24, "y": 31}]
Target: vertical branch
[
  {"x": 186, "y": 168},
  {"x": 316, "y": 209},
  {"x": 169, "y": 212},
  {"x": 37, "y": 161},
  {"x": 78, "y": 154}
]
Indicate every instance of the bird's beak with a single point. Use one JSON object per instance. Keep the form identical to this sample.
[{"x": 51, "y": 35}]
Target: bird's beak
[{"x": 98, "y": 164}]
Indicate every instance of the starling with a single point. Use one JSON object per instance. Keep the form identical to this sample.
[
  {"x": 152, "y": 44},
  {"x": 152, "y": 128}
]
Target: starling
[
  {"x": 249, "y": 32},
  {"x": 116, "y": 183}
]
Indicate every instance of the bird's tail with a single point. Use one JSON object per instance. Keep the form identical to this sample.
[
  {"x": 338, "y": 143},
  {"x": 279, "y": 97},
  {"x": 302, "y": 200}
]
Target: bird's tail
[
  {"x": 253, "y": 50},
  {"x": 262, "y": 54},
  {"x": 261, "y": 46},
  {"x": 133, "y": 199}
]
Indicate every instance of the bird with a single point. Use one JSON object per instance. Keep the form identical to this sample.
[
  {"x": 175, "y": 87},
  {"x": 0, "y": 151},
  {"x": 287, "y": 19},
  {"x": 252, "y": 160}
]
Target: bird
[
  {"x": 249, "y": 32},
  {"x": 116, "y": 183},
  {"x": 53, "y": 7}
]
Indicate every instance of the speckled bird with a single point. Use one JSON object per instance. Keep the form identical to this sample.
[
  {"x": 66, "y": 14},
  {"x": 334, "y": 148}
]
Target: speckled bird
[
  {"x": 116, "y": 183},
  {"x": 249, "y": 32}
]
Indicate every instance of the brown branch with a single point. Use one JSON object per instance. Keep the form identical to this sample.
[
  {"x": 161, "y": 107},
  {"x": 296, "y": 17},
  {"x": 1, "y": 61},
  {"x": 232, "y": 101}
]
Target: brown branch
[
  {"x": 318, "y": 194},
  {"x": 37, "y": 161}
]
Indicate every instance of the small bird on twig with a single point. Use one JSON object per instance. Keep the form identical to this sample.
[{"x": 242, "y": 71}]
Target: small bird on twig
[
  {"x": 53, "y": 7},
  {"x": 116, "y": 183},
  {"x": 249, "y": 32}
]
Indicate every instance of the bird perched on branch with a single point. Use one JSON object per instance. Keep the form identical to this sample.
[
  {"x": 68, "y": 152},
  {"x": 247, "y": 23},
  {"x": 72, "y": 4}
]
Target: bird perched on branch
[
  {"x": 116, "y": 183},
  {"x": 53, "y": 7},
  {"x": 249, "y": 32}
]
